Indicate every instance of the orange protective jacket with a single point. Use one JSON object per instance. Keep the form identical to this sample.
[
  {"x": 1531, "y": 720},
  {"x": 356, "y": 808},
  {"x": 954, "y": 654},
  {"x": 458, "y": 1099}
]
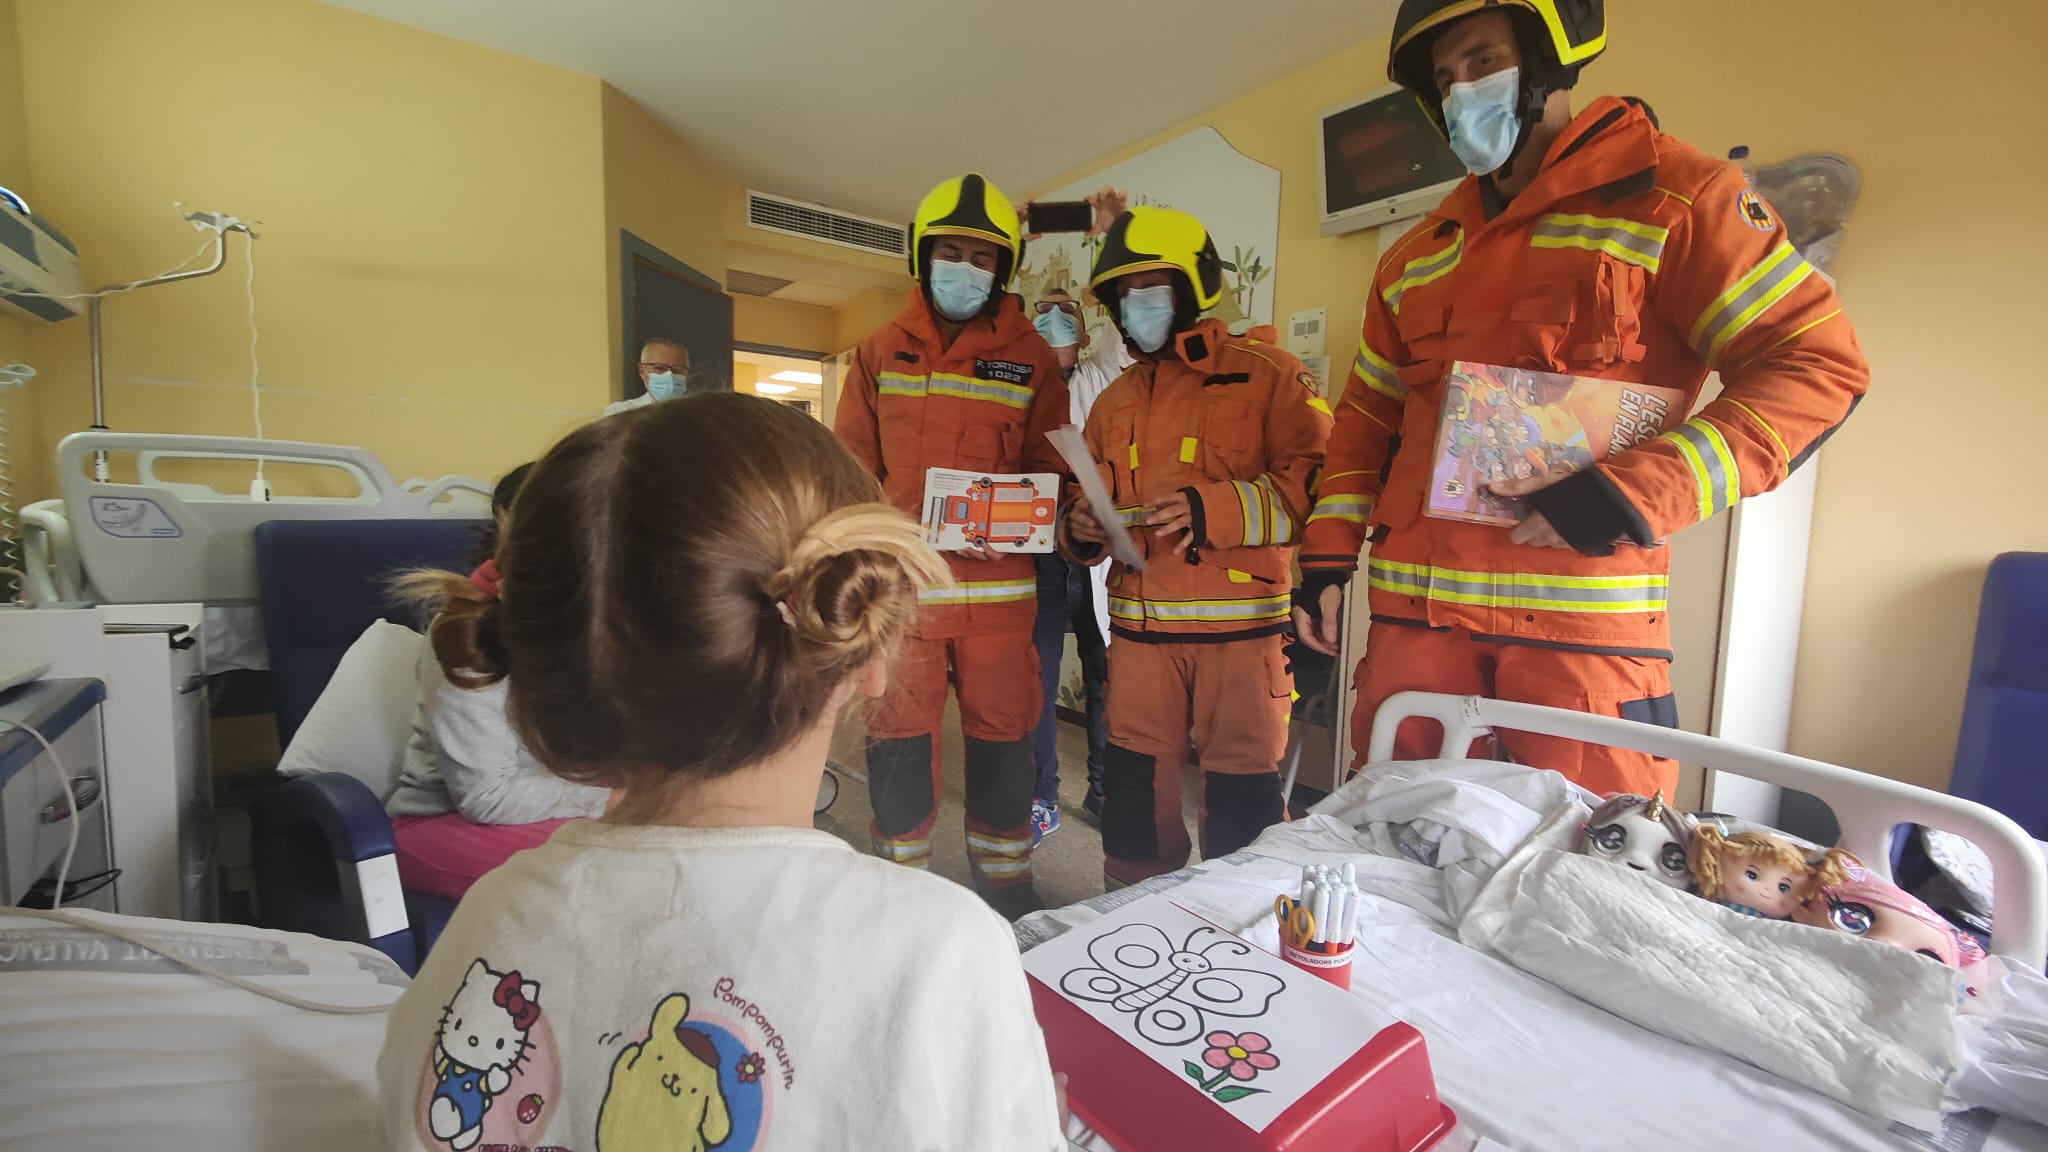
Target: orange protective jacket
[
  {"x": 1236, "y": 424},
  {"x": 982, "y": 405},
  {"x": 1633, "y": 257}
]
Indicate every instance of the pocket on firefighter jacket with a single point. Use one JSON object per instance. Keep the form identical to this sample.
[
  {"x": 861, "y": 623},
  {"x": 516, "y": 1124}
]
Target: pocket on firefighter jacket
[
  {"x": 1231, "y": 447},
  {"x": 989, "y": 447}
]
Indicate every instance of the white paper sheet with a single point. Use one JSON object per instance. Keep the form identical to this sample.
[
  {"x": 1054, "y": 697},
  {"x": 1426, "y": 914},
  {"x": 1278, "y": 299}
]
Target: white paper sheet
[
  {"x": 1191, "y": 996},
  {"x": 1007, "y": 511},
  {"x": 1075, "y": 449}
]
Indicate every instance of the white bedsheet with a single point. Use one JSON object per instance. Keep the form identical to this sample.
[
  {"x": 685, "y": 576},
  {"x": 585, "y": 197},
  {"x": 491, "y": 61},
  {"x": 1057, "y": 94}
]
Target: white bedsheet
[
  {"x": 103, "y": 1045},
  {"x": 1522, "y": 1062}
]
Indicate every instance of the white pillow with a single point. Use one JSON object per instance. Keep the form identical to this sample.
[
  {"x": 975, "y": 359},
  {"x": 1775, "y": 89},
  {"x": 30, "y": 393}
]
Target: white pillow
[{"x": 360, "y": 724}]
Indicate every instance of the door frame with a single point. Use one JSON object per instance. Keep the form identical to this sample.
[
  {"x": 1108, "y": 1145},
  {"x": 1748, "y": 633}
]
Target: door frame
[{"x": 633, "y": 249}]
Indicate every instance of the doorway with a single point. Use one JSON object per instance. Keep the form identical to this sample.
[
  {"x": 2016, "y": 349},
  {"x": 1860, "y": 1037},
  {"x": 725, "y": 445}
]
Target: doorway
[{"x": 793, "y": 378}]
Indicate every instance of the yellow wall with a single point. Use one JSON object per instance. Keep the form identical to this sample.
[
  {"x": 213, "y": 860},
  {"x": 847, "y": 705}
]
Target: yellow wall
[
  {"x": 17, "y": 405},
  {"x": 430, "y": 282},
  {"x": 862, "y": 315},
  {"x": 1936, "y": 272},
  {"x": 782, "y": 324},
  {"x": 660, "y": 190}
]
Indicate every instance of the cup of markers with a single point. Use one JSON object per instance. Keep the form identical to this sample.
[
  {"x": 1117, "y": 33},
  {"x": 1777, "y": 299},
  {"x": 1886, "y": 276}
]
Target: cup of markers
[{"x": 1317, "y": 925}]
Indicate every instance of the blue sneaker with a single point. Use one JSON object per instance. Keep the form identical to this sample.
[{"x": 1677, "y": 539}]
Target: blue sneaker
[{"x": 1045, "y": 820}]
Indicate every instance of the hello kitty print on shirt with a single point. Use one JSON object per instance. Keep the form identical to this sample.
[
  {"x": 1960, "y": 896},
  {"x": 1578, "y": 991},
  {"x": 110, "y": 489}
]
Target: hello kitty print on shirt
[{"x": 481, "y": 1041}]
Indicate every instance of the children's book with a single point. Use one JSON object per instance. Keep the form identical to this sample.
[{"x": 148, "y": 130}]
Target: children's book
[
  {"x": 1513, "y": 424},
  {"x": 1001, "y": 511}
]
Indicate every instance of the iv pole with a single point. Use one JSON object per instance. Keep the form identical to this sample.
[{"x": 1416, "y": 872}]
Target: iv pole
[{"x": 220, "y": 226}]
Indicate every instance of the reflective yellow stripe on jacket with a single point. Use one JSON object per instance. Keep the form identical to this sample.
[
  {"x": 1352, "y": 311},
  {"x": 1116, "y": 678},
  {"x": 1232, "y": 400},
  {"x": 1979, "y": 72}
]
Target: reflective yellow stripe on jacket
[
  {"x": 1522, "y": 591},
  {"x": 1249, "y": 610},
  {"x": 1626, "y": 240},
  {"x": 1770, "y": 281},
  {"x": 1423, "y": 270},
  {"x": 948, "y": 384},
  {"x": 981, "y": 592}
]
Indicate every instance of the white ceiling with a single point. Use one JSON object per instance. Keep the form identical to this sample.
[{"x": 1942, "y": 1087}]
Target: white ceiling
[
  {"x": 819, "y": 282},
  {"x": 865, "y": 105}
]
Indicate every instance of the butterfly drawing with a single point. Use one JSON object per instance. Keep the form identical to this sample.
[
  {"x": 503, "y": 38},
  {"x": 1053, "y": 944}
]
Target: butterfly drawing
[{"x": 1139, "y": 970}]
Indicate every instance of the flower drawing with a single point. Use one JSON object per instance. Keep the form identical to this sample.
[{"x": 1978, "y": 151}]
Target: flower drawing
[
  {"x": 1243, "y": 1055},
  {"x": 1239, "y": 1057},
  {"x": 750, "y": 1067}
]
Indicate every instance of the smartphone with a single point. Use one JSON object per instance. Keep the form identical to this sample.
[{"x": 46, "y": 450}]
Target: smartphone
[{"x": 1061, "y": 216}]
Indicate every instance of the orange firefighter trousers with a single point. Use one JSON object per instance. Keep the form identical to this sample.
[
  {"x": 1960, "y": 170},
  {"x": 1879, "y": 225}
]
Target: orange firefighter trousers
[
  {"x": 1235, "y": 696},
  {"x": 1402, "y": 658},
  {"x": 996, "y": 676}
]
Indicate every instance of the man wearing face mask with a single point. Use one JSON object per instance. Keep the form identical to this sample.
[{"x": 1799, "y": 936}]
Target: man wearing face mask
[
  {"x": 1593, "y": 245},
  {"x": 959, "y": 379},
  {"x": 1208, "y": 445},
  {"x": 1072, "y": 597},
  {"x": 664, "y": 371}
]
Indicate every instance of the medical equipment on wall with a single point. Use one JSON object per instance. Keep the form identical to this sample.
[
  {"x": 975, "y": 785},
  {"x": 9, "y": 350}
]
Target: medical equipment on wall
[
  {"x": 38, "y": 265},
  {"x": 156, "y": 539}
]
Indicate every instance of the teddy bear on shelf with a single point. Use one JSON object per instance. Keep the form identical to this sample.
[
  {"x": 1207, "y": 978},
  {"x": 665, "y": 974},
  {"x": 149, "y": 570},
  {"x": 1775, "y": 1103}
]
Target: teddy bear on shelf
[{"x": 1758, "y": 874}]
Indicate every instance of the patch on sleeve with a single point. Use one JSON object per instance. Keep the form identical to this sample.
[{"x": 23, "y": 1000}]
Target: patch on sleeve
[
  {"x": 1008, "y": 371},
  {"x": 1754, "y": 211},
  {"x": 492, "y": 1072}
]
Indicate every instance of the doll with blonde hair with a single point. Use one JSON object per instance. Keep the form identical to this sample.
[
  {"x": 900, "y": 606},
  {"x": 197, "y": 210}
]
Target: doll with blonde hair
[{"x": 1758, "y": 874}]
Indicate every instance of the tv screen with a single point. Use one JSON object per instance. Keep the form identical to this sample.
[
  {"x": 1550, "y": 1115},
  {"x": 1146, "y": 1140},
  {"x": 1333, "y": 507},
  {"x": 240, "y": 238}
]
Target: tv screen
[{"x": 1382, "y": 148}]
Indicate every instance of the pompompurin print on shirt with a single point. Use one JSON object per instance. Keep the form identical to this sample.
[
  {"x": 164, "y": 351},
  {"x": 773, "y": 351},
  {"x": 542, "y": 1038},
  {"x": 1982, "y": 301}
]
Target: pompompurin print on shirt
[
  {"x": 702, "y": 1076},
  {"x": 689, "y": 1078},
  {"x": 493, "y": 1070}
]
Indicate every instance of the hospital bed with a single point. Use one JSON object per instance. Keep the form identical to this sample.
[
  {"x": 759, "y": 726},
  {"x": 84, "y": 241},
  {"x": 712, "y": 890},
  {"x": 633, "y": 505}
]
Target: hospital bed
[{"x": 1529, "y": 1066}]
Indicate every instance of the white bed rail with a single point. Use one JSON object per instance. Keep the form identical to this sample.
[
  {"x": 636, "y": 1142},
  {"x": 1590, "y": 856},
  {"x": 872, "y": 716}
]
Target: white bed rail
[{"x": 1867, "y": 807}]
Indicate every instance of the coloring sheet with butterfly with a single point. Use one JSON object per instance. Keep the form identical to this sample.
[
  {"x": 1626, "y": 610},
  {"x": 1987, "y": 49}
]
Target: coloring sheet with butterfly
[{"x": 1232, "y": 1021}]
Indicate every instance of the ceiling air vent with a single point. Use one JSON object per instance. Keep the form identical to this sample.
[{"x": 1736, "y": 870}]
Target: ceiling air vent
[
  {"x": 753, "y": 283},
  {"x": 816, "y": 222}
]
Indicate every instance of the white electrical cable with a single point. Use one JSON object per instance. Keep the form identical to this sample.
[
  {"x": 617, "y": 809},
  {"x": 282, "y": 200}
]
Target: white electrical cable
[
  {"x": 198, "y": 966},
  {"x": 57, "y": 913},
  {"x": 70, "y": 801},
  {"x": 259, "y": 490}
]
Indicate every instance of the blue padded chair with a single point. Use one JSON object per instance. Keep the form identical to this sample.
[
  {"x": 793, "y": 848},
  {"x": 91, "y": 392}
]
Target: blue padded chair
[
  {"x": 2002, "y": 755},
  {"x": 318, "y": 841}
]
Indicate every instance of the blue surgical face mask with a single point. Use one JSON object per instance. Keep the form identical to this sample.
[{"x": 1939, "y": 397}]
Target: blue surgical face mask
[
  {"x": 959, "y": 290},
  {"x": 666, "y": 385},
  {"x": 1059, "y": 328},
  {"x": 1147, "y": 315},
  {"x": 1481, "y": 118}
]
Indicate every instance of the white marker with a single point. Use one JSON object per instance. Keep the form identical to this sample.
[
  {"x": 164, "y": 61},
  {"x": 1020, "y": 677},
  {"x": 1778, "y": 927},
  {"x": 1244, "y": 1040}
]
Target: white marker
[
  {"x": 1350, "y": 925},
  {"x": 1338, "y": 899},
  {"x": 1308, "y": 883},
  {"x": 1350, "y": 873},
  {"x": 1319, "y": 909}
]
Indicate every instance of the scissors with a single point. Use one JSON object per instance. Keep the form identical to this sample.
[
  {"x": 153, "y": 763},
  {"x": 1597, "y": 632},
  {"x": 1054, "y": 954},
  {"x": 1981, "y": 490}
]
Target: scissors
[{"x": 1297, "y": 926}]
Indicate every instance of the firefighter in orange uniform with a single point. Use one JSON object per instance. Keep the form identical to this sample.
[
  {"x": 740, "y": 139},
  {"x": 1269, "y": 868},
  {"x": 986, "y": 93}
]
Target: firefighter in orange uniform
[
  {"x": 959, "y": 379},
  {"x": 1593, "y": 245},
  {"x": 1208, "y": 445}
]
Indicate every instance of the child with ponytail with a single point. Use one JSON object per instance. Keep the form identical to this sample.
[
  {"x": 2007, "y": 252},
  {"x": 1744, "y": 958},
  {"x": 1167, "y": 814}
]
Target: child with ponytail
[{"x": 689, "y": 595}]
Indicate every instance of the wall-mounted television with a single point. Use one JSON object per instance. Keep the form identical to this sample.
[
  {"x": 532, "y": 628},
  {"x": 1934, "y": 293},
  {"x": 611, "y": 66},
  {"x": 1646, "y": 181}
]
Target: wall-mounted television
[{"x": 1382, "y": 161}]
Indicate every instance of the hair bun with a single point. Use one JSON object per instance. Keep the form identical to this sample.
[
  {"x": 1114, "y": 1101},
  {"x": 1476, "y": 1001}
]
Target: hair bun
[
  {"x": 851, "y": 579},
  {"x": 464, "y": 631}
]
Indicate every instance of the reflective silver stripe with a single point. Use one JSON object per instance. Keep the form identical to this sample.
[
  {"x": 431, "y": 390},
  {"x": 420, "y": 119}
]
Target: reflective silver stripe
[
  {"x": 1251, "y": 511},
  {"x": 990, "y": 592},
  {"x": 1421, "y": 271},
  {"x": 1352, "y": 508},
  {"x": 1612, "y": 594},
  {"x": 1000, "y": 847},
  {"x": 1714, "y": 472},
  {"x": 1283, "y": 521},
  {"x": 1736, "y": 309},
  {"x": 1185, "y": 611},
  {"x": 1628, "y": 240},
  {"x": 897, "y": 384},
  {"x": 967, "y": 388},
  {"x": 1378, "y": 373},
  {"x": 1133, "y": 516},
  {"x": 1001, "y": 865},
  {"x": 901, "y": 851}
]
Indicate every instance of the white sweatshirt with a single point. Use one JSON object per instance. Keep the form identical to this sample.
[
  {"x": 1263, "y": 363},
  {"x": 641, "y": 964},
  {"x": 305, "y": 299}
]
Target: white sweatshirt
[
  {"x": 631, "y": 987},
  {"x": 464, "y": 757}
]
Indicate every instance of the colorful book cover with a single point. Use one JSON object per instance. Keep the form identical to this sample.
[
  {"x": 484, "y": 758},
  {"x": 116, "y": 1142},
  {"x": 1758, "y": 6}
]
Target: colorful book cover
[
  {"x": 1512, "y": 424},
  {"x": 1001, "y": 511}
]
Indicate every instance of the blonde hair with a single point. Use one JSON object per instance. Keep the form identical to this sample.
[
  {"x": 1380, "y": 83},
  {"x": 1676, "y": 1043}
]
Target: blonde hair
[
  {"x": 1708, "y": 844},
  {"x": 684, "y": 587}
]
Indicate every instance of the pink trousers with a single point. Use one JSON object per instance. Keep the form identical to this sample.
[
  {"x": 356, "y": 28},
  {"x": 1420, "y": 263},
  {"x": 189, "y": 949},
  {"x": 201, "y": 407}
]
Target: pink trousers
[{"x": 443, "y": 855}]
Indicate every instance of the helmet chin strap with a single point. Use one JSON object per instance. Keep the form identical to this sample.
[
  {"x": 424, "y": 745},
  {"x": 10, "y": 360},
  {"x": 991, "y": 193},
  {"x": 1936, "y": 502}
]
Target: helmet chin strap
[{"x": 1534, "y": 96}]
